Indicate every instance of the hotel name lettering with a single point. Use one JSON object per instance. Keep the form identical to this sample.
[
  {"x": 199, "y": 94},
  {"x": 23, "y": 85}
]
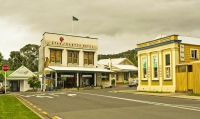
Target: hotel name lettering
[{"x": 73, "y": 44}]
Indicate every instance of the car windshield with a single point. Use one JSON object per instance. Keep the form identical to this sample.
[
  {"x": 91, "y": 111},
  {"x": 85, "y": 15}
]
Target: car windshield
[{"x": 6, "y": 84}]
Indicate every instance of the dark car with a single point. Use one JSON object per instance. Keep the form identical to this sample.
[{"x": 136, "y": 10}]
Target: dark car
[{"x": 133, "y": 83}]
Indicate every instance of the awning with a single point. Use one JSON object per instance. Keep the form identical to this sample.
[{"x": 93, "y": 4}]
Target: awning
[
  {"x": 126, "y": 67},
  {"x": 76, "y": 69}
]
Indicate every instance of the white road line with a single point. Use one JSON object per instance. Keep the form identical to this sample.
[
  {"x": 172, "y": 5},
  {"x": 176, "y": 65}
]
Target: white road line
[
  {"x": 44, "y": 96},
  {"x": 56, "y": 94},
  {"x": 71, "y": 95},
  {"x": 27, "y": 95},
  {"x": 148, "y": 102}
]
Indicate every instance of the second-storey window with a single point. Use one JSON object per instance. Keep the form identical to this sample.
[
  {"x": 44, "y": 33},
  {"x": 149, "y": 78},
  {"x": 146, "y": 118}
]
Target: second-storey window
[
  {"x": 194, "y": 53},
  {"x": 72, "y": 57},
  {"x": 55, "y": 55},
  {"x": 88, "y": 58}
]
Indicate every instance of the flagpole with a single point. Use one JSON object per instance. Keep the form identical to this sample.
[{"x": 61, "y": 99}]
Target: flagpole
[
  {"x": 73, "y": 19},
  {"x": 72, "y": 27}
]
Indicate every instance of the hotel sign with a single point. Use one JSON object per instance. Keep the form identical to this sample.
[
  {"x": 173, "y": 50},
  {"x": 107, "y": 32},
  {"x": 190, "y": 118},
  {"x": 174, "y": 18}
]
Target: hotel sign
[
  {"x": 67, "y": 44},
  {"x": 182, "y": 53}
]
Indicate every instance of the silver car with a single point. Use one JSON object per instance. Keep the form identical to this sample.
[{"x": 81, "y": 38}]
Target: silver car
[{"x": 133, "y": 83}]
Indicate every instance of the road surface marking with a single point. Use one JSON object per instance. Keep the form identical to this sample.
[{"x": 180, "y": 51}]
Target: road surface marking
[
  {"x": 148, "y": 102},
  {"x": 44, "y": 96},
  {"x": 44, "y": 112},
  {"x": 56, "y": 117},
  {"x": 71, "y": 95}
]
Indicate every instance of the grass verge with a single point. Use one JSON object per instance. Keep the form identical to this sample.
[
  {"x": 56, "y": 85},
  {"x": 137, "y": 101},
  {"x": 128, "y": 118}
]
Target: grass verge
[
  {"x": 12, "y": 108},
  {"x": 193, "y": 94}
]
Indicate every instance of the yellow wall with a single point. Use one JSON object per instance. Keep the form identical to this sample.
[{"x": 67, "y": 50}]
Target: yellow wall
[
  {"x": 187, "y": 48},
  {"x": 144, "y": 82},
  {"x": 190, "y": 80},
  {"x": 120, "y": 77},
  {"x": 167, "y": 83},
  {"x": 155, "y": 83}
]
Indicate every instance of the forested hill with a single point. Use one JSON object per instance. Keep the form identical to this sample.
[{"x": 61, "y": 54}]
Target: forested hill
[{"x": 130, "y": 54}]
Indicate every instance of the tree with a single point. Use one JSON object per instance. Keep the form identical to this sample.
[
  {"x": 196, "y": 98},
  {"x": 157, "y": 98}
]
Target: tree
[
  {"x": 1, "y": 59},
  {"x": 30, "y": 56},
  {"x": 130, "y": 54},
  {"x": 16, "y": 60},
  {"x": 27, "y": 56},
  {"x": 1, "y": 76},
  {"x": 34, "y": 82}
]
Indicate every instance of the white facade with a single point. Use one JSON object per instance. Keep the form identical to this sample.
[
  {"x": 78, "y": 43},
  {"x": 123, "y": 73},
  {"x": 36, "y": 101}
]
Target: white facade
[
  {"x": 73, "y": 43},
  {"x": 19, "y": 79},
  {"x": 72, "y": 57}
]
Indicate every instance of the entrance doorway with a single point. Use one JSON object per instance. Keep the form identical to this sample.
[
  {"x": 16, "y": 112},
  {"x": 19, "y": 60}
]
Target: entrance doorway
[{"x": 15, "y": 86}]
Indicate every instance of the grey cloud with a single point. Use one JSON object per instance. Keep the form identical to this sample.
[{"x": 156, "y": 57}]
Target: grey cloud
[
  {"x": 129, "y": 21},
  {"x": 110, "y": 17}
]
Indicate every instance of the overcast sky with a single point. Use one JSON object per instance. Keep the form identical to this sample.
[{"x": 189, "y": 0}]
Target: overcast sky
[{"x": 118, "y": 24}]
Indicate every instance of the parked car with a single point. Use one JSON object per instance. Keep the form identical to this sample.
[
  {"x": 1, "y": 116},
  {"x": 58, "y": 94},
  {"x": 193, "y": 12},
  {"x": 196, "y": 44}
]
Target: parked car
[
  {"x": 133, "y": 83},
  {"x": 2, "y": 88}
]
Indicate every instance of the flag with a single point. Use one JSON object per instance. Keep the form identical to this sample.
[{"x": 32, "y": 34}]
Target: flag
[{"x": 74, "y": 19}]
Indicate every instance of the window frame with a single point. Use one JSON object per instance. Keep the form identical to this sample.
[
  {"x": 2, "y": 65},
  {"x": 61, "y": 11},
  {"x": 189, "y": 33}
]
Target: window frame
[
  {"x": 153, "y": 68},
  {"x": 143, "y": 73},
  {"x": 55, "y": 56},
  {"x": 197, "y": 53},
  {"x": 88, "y": 58},
  {"x": 73, "y": 54},
  {"x": 167, "y": 66}
]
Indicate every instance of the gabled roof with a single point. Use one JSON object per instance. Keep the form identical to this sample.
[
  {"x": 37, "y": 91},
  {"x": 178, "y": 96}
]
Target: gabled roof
[
  {"x": 189, "y": 40},
  {"x": 115, "y": 61},
  {"x": 21, "y": 72},
  {"x": 126, "y": 67}
]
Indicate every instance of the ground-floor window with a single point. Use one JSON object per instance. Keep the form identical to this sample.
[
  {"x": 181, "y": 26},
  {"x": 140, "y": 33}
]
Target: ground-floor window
[
  {"x": 87, "y": 79},
  {"x": 167, "y": 66},
  {"x": 144, "y": 67}
]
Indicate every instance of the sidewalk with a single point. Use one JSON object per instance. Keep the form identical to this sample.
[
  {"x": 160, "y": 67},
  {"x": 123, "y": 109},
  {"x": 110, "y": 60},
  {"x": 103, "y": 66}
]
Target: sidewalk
[{"x": 172, "y": 95}]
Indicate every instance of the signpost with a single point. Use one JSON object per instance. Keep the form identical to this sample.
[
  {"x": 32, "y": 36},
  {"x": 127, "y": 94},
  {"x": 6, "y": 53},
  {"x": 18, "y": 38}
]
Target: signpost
[{"x": 5, "y": 69}]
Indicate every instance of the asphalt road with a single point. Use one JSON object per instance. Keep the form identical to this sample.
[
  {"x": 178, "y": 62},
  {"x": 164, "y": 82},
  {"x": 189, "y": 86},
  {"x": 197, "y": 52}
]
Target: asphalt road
[{"x": 106, "y": 104}]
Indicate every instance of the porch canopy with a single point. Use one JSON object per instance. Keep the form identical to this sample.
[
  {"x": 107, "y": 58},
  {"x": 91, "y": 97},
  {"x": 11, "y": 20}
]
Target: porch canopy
[
  {"x": 126, "y": 67},
  {"x": 76, "y": 69}
]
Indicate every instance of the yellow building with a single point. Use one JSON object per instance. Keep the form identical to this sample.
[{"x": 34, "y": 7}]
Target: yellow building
[
  {"x": 167, "y": 64},
  {"x": 71, "y": 60}
]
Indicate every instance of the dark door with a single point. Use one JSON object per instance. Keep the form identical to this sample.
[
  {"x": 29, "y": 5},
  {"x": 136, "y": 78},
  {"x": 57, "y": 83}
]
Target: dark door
[{"x": 14, "y": 86}]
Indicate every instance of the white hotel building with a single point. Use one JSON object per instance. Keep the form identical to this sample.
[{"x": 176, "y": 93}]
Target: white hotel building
[{"x": 71, "y": 57}]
